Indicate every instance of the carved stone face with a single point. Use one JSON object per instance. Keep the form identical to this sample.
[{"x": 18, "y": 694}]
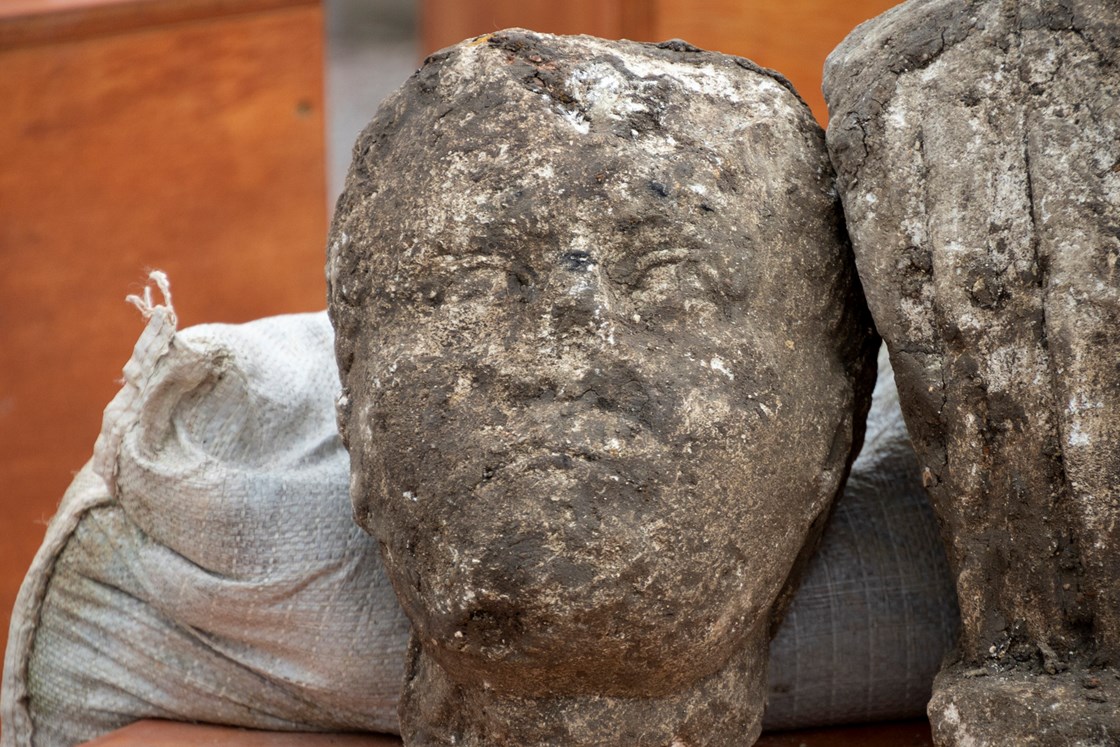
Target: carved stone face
[{"x": 593, "y": 346}]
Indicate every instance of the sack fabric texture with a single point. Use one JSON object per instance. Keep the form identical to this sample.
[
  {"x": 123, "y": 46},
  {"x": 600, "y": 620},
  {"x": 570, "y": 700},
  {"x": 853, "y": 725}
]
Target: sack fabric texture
[{"x": 205, "y": 566}]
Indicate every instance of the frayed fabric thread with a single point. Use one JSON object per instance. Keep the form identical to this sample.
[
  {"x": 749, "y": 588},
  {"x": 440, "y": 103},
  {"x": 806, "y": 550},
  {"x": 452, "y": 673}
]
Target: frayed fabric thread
[{"x": 145, "y": 303}]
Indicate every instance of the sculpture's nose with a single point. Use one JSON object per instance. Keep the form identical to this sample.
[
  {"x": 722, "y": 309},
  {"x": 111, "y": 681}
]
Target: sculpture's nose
[
  {"x": 580, "y": 297},
  {"x": 592, "y": 356}
]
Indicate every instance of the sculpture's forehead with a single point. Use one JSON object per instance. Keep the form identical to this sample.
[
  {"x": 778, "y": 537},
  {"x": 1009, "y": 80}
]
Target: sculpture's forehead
[
  {"x": 594, "y": 199},
  {"x": 589, "y": 85}
]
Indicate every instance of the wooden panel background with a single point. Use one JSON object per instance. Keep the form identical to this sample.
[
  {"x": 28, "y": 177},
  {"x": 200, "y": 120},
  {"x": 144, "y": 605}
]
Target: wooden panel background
[
  {"x": 24, "y": 22},
  {"x": 791, "y": 36},
  {"x": 445, "y": 22},
  {"x": 191, "y": 143}
]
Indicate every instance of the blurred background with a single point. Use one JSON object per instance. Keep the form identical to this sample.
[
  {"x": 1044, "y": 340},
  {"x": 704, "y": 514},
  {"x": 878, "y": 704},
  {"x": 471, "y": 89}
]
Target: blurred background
[{"x": 209, "y": 138}]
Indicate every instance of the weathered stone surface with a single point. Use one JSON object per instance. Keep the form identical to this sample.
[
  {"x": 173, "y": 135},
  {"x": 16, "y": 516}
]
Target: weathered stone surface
[
  {"x": 1013, "y": 706},
  {"x": 604, "y": 362},
  {"x": 977, "y": 146}
]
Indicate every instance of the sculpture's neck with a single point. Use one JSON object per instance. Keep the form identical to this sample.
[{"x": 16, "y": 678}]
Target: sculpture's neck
[{"x": 720, "y": 710}]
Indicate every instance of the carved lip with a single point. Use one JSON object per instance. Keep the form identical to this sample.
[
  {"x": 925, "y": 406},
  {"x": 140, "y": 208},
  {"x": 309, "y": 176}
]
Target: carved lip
[
  {"x": 577, "y": 429},
  {"x": 550, "y": 463},
  {"x": 612, "y": 449}
]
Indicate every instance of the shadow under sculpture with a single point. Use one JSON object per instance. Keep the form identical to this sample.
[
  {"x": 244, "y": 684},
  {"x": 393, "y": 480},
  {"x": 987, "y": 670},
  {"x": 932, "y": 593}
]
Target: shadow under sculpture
[
  {"x": 978, "y": 152},
  {"x": 604, "y": 363}
]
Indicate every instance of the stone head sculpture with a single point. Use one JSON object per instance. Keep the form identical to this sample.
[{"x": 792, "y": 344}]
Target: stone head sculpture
[
  {"x": 978, "y": 152},
  {"x": 604, "y": 361}
]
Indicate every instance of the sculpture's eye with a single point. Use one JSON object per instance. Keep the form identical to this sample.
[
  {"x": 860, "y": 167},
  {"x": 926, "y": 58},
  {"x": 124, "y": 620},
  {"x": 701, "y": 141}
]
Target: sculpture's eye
[
  {"x": 673, "y": 281},
  {"x": 480, "y": 277},
  {"x": 657, "y": 270}
]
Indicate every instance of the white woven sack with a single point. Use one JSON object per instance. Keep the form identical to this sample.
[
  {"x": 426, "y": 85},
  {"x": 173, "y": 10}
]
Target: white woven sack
[
  {"x": 212, "y": 571},
  {"x": 206, "y": 567},
  {"x": 876, "y": 610}
]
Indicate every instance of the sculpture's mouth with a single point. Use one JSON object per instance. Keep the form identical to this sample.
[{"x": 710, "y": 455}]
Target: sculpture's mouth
[
  {"x": 553, "y": 438},
  {"x": 595, "y": 467},
  {"x": 555, "y": 459}
]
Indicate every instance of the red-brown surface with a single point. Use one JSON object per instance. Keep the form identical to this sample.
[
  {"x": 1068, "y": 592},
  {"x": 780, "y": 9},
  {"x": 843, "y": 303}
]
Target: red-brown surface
[
  {"x": 195, "y": 147},
  {"x": 168, "y": 734},
  {"x": 792, "y": 36},
  {"x": 25, "y": 22}
]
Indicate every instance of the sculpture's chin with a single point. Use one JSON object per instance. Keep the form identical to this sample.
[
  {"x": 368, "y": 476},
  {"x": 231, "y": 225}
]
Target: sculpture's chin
[
  {"x": 564, "y": 656},
  {"x": 534, "y": 614}
]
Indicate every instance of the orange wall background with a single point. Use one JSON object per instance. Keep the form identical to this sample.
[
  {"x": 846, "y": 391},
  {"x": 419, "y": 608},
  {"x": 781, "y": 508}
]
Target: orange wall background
[
  {"x": 184, "y": 135},
  {"x": 791, "y": 36}
]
